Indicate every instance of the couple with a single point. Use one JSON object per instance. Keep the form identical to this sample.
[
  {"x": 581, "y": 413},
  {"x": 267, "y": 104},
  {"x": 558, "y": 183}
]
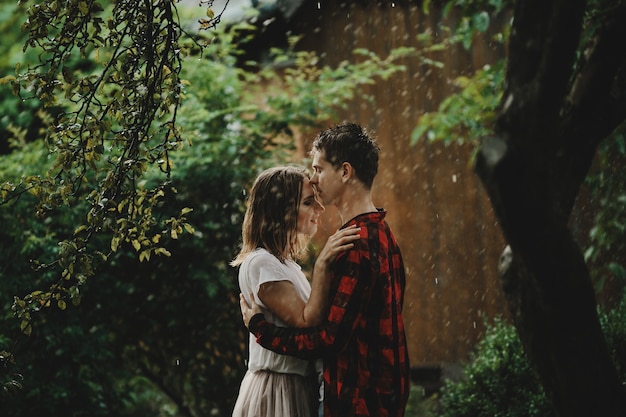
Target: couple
[{"x": 349, "y": 318}]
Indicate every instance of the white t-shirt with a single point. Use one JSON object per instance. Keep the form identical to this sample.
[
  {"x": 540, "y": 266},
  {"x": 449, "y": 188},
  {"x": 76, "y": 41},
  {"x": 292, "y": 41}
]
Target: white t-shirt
[{"x": 260, "y": 267}]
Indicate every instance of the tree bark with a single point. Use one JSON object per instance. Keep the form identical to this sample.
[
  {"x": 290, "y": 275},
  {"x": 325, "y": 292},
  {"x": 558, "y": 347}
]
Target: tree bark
[{"x": 550, "y": 124}]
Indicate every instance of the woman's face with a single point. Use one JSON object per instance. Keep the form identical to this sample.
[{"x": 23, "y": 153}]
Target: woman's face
[{"x": 309, "y": 210}]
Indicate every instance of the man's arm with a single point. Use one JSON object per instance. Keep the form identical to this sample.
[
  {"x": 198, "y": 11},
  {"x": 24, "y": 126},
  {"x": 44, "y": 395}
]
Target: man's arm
[
  {"x": 284, "y": 301},
  {"x": 350, "y": 294}
]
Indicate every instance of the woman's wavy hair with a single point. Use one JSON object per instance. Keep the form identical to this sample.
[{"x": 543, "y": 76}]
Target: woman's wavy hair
[{"x": 271, "y": 219}]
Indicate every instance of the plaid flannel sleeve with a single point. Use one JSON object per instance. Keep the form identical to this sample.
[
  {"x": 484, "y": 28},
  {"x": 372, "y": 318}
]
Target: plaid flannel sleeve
[{"x": 351, "y": 291}]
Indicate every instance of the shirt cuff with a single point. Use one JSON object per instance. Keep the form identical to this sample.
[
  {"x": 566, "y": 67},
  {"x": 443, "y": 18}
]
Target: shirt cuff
[{"x": 255, "y": 322}]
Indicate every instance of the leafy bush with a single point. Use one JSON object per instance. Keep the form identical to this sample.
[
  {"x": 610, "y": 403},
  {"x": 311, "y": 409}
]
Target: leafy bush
[
  {"x": 499, "y": 381},
  {"x": 613, "y": 324}
]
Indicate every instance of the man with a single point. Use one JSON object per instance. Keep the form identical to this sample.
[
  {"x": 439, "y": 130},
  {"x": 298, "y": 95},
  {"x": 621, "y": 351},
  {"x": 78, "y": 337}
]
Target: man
[{"x": 362, "y": 341}]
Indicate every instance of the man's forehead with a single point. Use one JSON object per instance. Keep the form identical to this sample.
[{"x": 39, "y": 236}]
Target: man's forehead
[{"x": 319, "y": 157}]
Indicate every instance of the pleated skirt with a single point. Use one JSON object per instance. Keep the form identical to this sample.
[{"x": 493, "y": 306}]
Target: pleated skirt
[{"x": 271, "y": 394}]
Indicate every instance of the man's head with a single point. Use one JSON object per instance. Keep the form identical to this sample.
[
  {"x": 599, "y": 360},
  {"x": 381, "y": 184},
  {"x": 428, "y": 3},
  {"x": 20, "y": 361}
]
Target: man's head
[{"x": 349, "y": 142}]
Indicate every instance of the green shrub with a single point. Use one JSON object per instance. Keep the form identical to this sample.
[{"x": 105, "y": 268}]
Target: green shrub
[
  {"x": 613, "y": 324},
  {"x": 498, "y": 380}
]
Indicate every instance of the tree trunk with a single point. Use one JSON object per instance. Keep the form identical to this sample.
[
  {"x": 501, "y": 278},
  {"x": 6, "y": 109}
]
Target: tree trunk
[{"x": 545, "y": 139}]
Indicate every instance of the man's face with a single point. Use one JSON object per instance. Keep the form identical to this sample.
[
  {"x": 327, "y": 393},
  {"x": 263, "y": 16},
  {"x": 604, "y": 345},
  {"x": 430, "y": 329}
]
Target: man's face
[{"x": 326, "y": 180}]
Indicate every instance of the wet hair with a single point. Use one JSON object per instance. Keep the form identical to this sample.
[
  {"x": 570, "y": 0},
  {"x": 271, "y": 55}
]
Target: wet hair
[
  {"x": 271, "y": 216},
  {"x": 349, "y": 142}
]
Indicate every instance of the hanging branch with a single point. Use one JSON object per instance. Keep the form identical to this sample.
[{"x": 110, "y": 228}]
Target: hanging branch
[{"x": 108, "y": 126}]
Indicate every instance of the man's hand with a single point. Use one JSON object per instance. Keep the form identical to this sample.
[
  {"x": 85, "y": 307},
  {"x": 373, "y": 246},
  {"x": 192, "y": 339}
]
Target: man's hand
[{"x": 248, "y": 310}]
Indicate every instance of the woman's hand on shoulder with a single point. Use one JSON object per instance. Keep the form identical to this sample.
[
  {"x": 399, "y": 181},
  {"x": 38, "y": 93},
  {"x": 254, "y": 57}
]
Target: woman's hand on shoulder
[{"x": 338, "y": 242}]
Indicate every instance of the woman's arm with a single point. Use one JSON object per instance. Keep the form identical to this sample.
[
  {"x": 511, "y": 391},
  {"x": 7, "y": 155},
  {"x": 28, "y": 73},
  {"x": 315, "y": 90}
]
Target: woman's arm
[
  {"x": 350, "y": 296},
  {"x": 282, "y": 298}
]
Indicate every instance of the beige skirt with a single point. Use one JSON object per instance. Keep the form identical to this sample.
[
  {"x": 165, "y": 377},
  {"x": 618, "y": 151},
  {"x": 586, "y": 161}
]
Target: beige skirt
[{"x": 271, "y": 394}]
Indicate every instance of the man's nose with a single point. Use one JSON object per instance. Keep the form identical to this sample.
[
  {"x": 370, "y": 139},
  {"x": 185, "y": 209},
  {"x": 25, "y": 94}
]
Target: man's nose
[{"x": 314, "y": 186}]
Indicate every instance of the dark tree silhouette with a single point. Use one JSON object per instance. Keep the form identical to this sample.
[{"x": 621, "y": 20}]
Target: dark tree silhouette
[{"x": 556, "y": 109}]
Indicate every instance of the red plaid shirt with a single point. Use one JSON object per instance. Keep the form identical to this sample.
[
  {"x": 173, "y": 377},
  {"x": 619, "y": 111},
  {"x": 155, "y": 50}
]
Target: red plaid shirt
[{"x": 362, "y": 341}]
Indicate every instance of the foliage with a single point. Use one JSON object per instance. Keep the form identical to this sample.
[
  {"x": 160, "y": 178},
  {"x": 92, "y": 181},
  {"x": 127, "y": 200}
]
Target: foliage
[
  {"x": 114, "y": 117},
  {"x": 472, "y": 7},
  {"x": 613, "y": 324},
  {"x": 499, "y": 380},
  {"x": 476, "y": 17},
  {"x": 111, "y": 92},
  {"x": 127, "y": 109},
  {"x": 468, "y": 115},
  {"x": 15, "y": 114},
  {"x": 608, "y": 189},
  {"x": 96, "y": 210}
]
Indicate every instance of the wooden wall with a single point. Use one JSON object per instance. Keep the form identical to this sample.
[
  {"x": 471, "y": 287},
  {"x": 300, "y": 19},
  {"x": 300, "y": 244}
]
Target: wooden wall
[{"x": 440, "y": 214}]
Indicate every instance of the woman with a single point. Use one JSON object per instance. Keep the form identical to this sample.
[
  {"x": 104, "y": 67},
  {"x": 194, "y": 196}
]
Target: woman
[{"x": 282, "y": 210}]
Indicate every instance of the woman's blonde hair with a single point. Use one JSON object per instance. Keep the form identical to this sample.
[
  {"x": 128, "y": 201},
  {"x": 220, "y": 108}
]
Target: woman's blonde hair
[{"x": 271, "y": 219}]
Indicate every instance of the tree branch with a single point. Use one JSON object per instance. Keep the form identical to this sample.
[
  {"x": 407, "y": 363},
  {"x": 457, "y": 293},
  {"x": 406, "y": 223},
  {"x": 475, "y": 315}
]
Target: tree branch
[{"x": 542, "y": 49}]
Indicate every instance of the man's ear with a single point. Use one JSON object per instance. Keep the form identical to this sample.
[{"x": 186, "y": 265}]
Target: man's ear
[{"x": 347, "y": 171}]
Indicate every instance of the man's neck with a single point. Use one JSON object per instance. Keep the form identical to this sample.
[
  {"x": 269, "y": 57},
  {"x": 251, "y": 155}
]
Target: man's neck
[{"x": 353, "y": 205}]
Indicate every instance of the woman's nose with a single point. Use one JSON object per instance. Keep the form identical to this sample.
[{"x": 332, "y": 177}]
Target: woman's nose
[{"x": 319, "y": 207}]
